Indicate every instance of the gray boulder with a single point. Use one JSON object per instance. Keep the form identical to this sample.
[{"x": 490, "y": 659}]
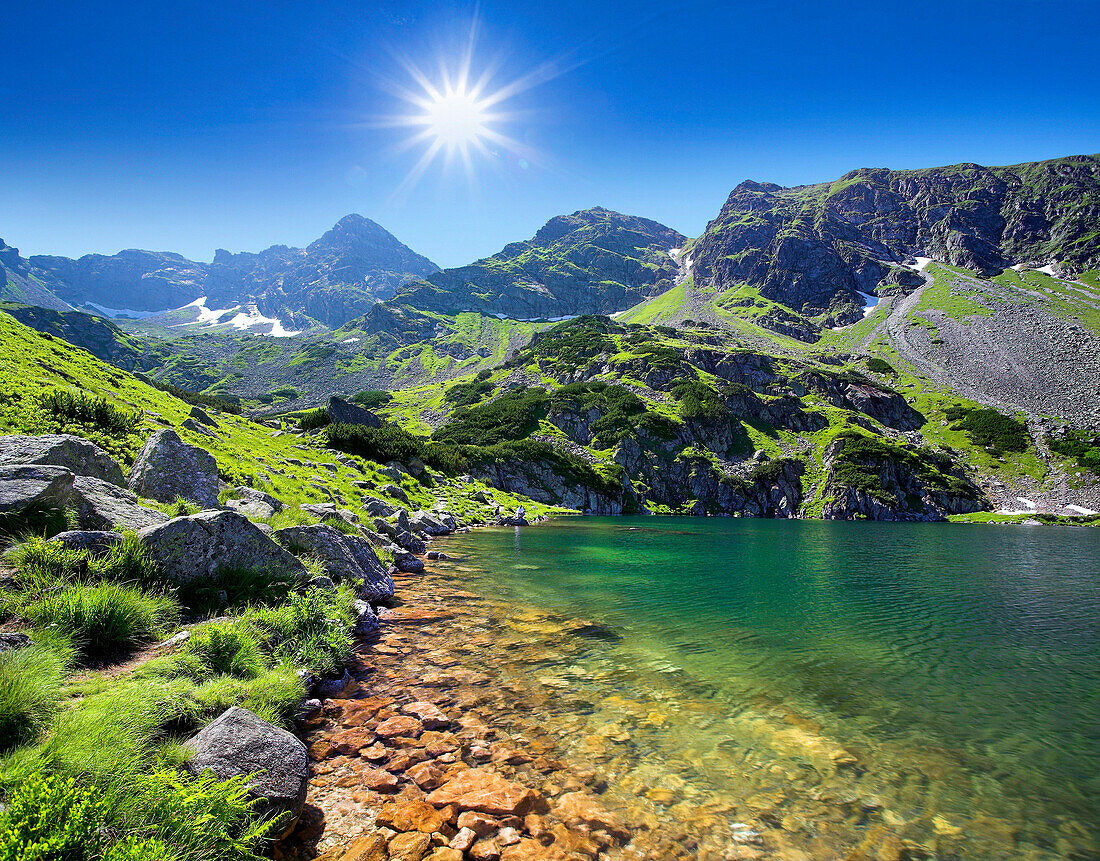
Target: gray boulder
[
  {"x": 394, "y": 492},
  {"x": 378, "y": 508},
  {"x": 345, "y": 557},
  {"x": 198, "y": 427},
  {"x": 202, "y": 417},
  {"x": 28, "y": 485},
  {"x": 410, "y": 542},
  {"x": 100, "y": 505},
  {"x": 329, "y": 510},
  {"x": 199, "y": 546},
  {"x": 10, "y": 640},
  {"x": 424, "y": 523},
  {"x": 72, "y": 452},
  {"x": 241, "y": 743},
  {"x": 168, "y": 467},
  {"x": 94, "y": 542},
  {"x": 407, "y": 562},
  {"x": 366, "y": 621},
  {"x": 254, "y": 503},
  {"x": 342, "y": 412}
]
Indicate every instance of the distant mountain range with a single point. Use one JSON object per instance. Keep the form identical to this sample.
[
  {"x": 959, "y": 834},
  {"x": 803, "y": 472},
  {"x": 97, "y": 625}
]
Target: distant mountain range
[{"x": 813, "y": 249}]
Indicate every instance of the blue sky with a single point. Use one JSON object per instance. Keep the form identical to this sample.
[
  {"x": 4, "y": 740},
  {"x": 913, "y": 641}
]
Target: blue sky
[{"x": 245, "y": 124}]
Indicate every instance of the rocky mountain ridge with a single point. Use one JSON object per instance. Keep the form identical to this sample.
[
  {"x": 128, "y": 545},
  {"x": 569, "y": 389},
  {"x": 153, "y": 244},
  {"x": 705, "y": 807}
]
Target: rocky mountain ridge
[{"x": 814, "y": 248}]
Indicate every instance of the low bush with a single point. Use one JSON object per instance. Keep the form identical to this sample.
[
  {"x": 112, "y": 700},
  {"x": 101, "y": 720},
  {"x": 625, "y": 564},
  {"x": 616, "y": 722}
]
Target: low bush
[
  {"x": 1082, "y": 446},
  {"x": 104, "y": 615},
  {"x": 699, "y": 401},
  {"x": 469, "y": 393},
  {"x": 226, "y": 403},
  {"x": 989, "y": 428},
  {"x": 622, "y": 411},
  {"x": 85, "y": 409},
  {"x": 314, "y": 419},
  {"x": 372, "y": 398},
  {"x": 30, "y": 688},
  {"x": 181, "y": 507},
  {"x": 390, "y": 442},
  {"x": 514, "y": 415},
  {"x": 880, "y": 366}
]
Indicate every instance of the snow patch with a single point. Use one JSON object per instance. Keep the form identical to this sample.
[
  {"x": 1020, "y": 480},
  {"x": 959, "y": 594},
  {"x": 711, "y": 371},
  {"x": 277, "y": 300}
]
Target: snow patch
[
  {"x": 1026, "y": 502},
  {"x": 1048, "y": 270},
  {"x": 1080, "y": 509},
  {"x": 350, "y": 341},
  {"x": 869, "y": 303},
  {"x": 244, "y": 320}
]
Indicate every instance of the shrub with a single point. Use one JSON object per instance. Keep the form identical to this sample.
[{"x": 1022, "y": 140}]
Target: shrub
[
  {"x": 622, "y": 411},
  {"x": 390, "y": 442},
  {"x": 30, "y": 687},
  {"x": 314, "y": 419},
  {"x": 698, "y": 400},
  {"x": 372, "y": 398},
  {"x": 880, "y": 366},
  {"x": 989, "y": 428},
  {"x": 52, "y": 819},
  {"x": 104, "y": 615},
  {"x": 312, "y": 629},
  {"x": 514, "y": 415},
  {"x": 468, "y": 393},
  {"x": 225, "y": 402},
  {"x": 1082, "y": 446},
  {"x": 85, "y": 409}
]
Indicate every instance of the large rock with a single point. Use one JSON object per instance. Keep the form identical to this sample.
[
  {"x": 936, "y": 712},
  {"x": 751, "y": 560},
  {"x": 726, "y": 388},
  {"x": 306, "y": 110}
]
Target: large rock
[
  {"x": 254, "y": 504},
  {"x": 168, "y": 467},
  {"x": 422, "y": 522},
  {"x": 199, "y": 546},
  {"x": 345, "y": 557},
  {"x": 484, "y": 791},
  {"x": 25, "y": 486},
  {"x": 92, "y": 541},
  {"x": 100, "y": 505},
  {"x": 341, "y": 412},
  {"x": 240, "y": 743},
  {"x": 330, "y": 511},
  {"x": 75, "y": 454}
]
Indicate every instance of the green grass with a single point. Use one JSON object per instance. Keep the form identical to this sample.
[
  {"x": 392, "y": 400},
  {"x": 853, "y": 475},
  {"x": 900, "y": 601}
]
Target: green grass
[{"x": 30, "y": 689}]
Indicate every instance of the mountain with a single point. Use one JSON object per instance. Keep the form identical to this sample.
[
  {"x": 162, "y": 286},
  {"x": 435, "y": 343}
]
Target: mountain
[
  {"x": 591, "y": 262},
  {"x": 18, "y": 283},
  {"x": 333, "y": 280},
  {"x": 814, "y": 247}
]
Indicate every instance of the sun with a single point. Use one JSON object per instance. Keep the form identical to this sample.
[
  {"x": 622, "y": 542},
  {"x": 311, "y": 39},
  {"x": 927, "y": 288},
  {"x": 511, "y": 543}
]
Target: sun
[{"x": 457, "y": 118}]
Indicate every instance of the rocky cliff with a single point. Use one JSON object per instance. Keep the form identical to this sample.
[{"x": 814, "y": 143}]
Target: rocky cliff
[{"x": 813, "y": 247}]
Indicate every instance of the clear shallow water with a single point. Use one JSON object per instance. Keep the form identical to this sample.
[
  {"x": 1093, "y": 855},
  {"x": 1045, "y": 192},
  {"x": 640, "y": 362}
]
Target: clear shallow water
[{"x": 944, "y": 677}]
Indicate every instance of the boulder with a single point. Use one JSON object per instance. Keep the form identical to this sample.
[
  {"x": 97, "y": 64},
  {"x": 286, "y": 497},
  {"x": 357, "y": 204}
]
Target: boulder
[
  {"x": 168, "y": 467},
  {"x": 10, "y": 640},
  {"x": 94, "y": 542},
  {"x": 329, "y": 511},
  {"x": 395, "y": 492},
  {"x": 253, "y": 503},
  {"x": 240, "y": 743},
  {"x": 100, "y": 505},
  {"x": 25, "y": 486},
  {"x": 199, "y": 546},
  {"x": 378, "y": 508},
  {"x": 345, "y": 557},
  {"x": 198, "y": 427},
  {"x": 342, "y": 412},
  {"x": 407, "y": 562},
  {"x": 202, "y": 417},
  {"x": 78, "y": 455}
]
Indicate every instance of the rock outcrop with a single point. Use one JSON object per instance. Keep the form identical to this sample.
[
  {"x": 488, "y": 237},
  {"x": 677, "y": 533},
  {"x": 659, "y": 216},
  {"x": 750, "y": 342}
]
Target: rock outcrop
[
  {"x": 238, "y": 743},
  {"x": 342, "y": 412},
  {"x": 72, "y": 452},
  {"x": 211, "y": 542},
  {"x": 254, "y": 504},
  {"x": 168, "y": 467},
  {"x": 101, "y": 505},
  {"x": 25, "y": 486}
]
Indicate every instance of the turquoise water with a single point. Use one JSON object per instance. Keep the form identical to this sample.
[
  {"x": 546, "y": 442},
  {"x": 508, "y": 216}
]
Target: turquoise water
[{"x": 948, "y": 672}]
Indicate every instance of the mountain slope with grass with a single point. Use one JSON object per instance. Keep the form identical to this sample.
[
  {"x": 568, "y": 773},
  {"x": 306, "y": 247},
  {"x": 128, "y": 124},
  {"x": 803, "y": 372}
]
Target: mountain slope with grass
[{"x": 594, "y": 261}]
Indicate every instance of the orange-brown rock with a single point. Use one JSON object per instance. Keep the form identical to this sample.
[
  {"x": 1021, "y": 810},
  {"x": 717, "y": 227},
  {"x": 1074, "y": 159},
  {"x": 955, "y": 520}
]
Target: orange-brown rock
[
  {"x": 532, "y": 850},
  {"x": 369, "y": 848},
  {"x": 411, "y": 815},
  {"x": 479, "y": 823},
  {"x": 464, "y": 839},
  {"x": 375, "y": 753},
  {"x": 445, "y": 853},
  {"x": 485, "y": 791},
  {"x": 485, "y": 849},
  {"x": 425, "y": 775},
  {"x": 348, "y": 742},
  {"x": 410, "y": 846},
  {"x": 378, "y": 779},
  {"x": 580, "y": 808},
  {"x": 437, "y": 743},
  {"x": 355, "y": 712},
  {"x": 401, "y": 725},
  {"x": 508, "y": 836},
  {"x": 428, "y": 714}
]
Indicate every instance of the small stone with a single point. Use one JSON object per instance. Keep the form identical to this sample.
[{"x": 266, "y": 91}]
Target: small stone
[
  {"x": 379, "y": 780},
  {"x": 479, "y": 823},
  {"x": 464, "y": 839},
  {"x": 485, "y": 791},
  {"x": 425, "y": 775},
  {"x": 411, "y": 816},
  {"x": 428, "y": 714},
  {"x": 445, "y": 853},
  {"x": 369, "y": 848},
  {"x": 485, "y": 850},
  {"x": 508, "y": 836}
]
